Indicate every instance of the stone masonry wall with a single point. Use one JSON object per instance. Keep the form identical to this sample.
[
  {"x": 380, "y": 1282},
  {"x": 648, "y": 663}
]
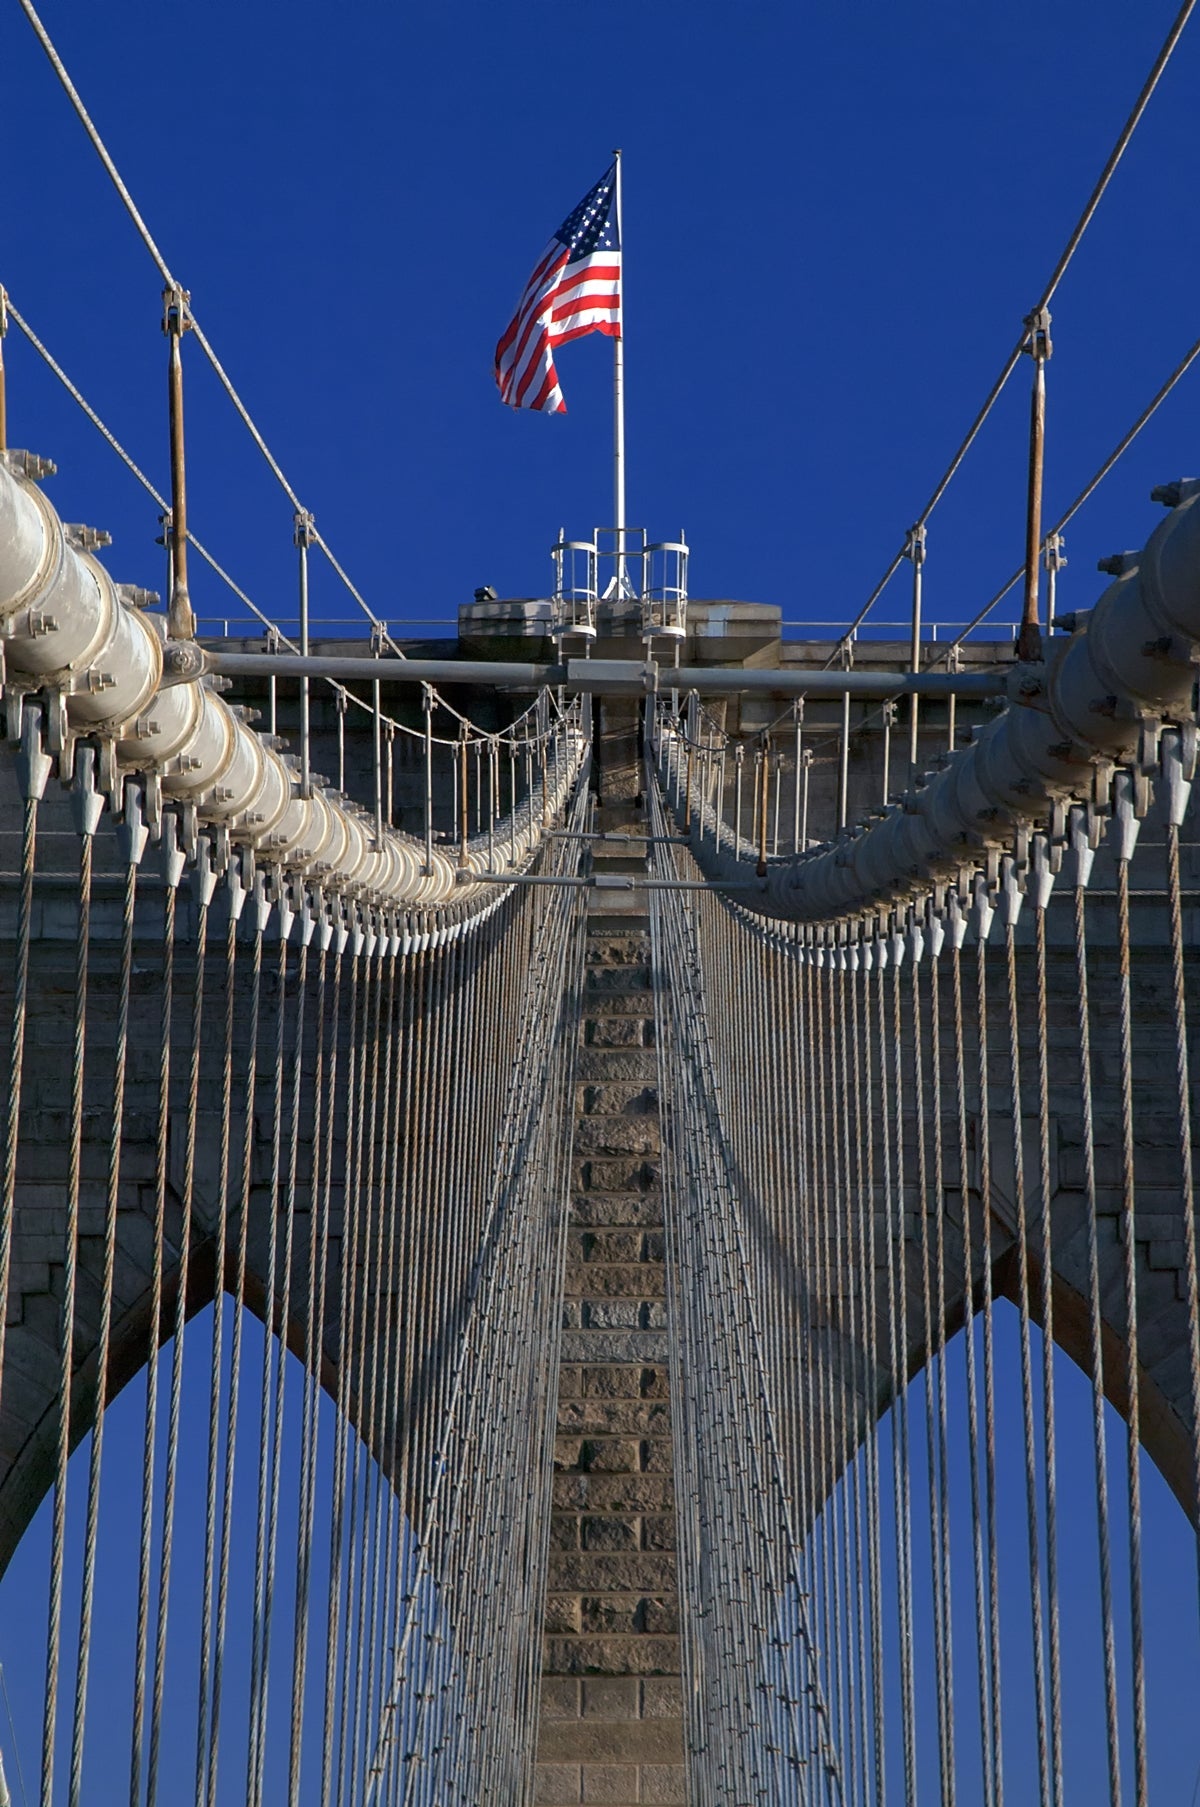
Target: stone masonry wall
[{"x": 611, "y": 1726}]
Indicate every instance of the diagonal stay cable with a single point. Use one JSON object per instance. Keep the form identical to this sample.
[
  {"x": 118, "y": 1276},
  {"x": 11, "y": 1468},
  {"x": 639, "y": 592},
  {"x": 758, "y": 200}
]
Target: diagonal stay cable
[
  {"x": 1060, "y": 269},
  {"x": 160, "y": 264},
  {"x": 231, "y": 583}
]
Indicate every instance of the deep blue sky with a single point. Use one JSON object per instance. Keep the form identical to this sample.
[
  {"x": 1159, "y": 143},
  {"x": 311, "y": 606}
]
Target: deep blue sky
[{"x": 835, "y": 220}]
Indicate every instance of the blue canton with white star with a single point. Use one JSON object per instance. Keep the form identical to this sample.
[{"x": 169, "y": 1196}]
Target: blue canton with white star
[{"x": 593, "y": 226}]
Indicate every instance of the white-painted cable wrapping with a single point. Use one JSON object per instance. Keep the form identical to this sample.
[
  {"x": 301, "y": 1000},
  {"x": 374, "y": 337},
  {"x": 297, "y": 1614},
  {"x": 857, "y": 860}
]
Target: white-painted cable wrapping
[{"x": 66, "y": 627}]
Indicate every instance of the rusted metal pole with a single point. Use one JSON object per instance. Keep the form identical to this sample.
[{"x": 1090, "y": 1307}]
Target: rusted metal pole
[
  {"x": 3, "y": 384},
  {"x": 181, "y": 620},
  {"x": 463, "y": 796},
  {"x": 427, "y": 702},
  {"x": 1055, "y": 560},
  {"x": 765, "y": 798},
  {"x": 914, "y": 551},
  {"x": 1029, "y": 640},
  {"x": 302, "y": 536},
  {"x": 798, "y": 719},
  {"x": 843, "y": 797}
]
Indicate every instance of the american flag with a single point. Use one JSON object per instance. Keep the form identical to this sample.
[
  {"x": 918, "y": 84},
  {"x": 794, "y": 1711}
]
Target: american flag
[{"x": 575, "y": 289}]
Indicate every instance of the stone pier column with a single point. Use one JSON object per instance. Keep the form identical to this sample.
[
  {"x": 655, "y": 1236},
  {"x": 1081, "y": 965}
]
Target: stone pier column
[{"x": 611, "y": 1727}]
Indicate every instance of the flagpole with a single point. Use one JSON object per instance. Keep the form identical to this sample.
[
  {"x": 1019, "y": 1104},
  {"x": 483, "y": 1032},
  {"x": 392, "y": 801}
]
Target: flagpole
[{"x": 619, "y": 403}]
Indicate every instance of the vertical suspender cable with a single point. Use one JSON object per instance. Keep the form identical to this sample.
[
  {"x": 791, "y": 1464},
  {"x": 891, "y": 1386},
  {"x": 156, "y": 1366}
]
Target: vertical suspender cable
[
  {"x": 1097, "y": 1347},
  {"x": 112, "y": 1195},
  {"x": 1047, "y": 1311},
  {"x": 58, "y": 1523},
  {"x": 1132, "y": 1378},
  {"x": 156, "y": 1289},
  {"x": 989, "y": 1360},
  {"x": 325, "y": 1096},
  {"x": 1026, "y": 1348},
  {"x": 175, "y": 1407},
  {"x": 942, "y": 1507},
  {"x": 964, "y": 1167},
  {"x": 245, "y": 1181},
  {"x": 217, "y": 1357},
  {"x": 34, "y": 775}
]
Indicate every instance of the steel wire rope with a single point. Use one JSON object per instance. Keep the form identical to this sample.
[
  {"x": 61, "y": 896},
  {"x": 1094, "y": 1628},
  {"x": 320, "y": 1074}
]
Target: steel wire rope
[
  {"x": 342, "y": 1545},
  {"x": 325, "y": 1092},
  {"x": 282, "y": 1292},
  {"x": 823, "y": 1414},
  {"x": 1128, "y": 1234},
  {"x": 66, "y": 1321},
  {"x": 393, "y": 725},
  {"x": 127, "y": 201},
  {"x": 691, "y": 1659},
  {"x": 726, "y": 1663},
  {"x": 1096, "y": 1347},
  {"x": 761, "y": 1024},
  {"x": 18, "y": 1020},
  {"x": 930, "y": 1340},
  {"x": 358, "y": 1246},
  {"x": 779, "y": 1010},
  {"x": 457, "y": 1427},
  {"x": 404, "y": 1457},
  {"x": 842, "y": 1295},
  {"x": 895, "y": 1380},
  {"x": 371, "y": 1438},
  {"x": 175, "y": 1397},
  {"x": 1047, "y": 295},
  {"x": 389, "y": 1431},
  {"x": 571, "y": 1016},
  {"x": 233, "y": 1400},
  {"x": 468, "y": 1431},
  {"x": 945, "y": 1602},
  {"x": 387, "y": 1211},
  {"x": 983, "y": 1669},
  {"x": 694, "y": 1534},
  {"x": 901, "y": 1444},
  {"x": 449, "y": 1248},
  {"x": 835, "y": 1366},
  {"x": 717, "y": 1430},
  {"x": 363, "y": 1382},
  {"x": 150, "y": 1425},
  {"x": 859, "y": 1388},
  {"x": 550, "y": 982},
  {"x": 1046, "y": 1296},
  {"x": 269, "y": 1282},
  {"x": 871, "y": 1321},
  {"x": 217, "y": 1352},
  {"x": 1026, "y": 1365},
  {"x": 414, "y": 1216},
  {"x": 1085, "y": 495},
  {"x": 833, "y": 1772},
  {"x": 989, "y": 1356},
  {"x": 120, "y": 1050}
]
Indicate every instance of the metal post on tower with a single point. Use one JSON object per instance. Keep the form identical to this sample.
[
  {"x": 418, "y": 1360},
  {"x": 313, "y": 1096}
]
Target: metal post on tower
[{"x": 622, "y": 577}]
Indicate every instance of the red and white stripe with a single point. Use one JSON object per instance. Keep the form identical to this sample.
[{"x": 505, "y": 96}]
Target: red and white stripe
[{"x": 562, "y": 300}]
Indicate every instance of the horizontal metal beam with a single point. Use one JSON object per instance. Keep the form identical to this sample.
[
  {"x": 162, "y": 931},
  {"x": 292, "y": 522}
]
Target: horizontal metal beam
[
  {"x": 500, "y": 674},
  {"x": 630, "y": 676},
  {"x": 622, "y": 882},
  {"x": 607, "y": 677},
  {"x": 1089, "y": 707}
]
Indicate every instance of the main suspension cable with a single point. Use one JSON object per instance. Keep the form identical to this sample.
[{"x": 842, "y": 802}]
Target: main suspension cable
[
  {"x": 1014, "y": 357},
  {"x": 160, "y": 264}
]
